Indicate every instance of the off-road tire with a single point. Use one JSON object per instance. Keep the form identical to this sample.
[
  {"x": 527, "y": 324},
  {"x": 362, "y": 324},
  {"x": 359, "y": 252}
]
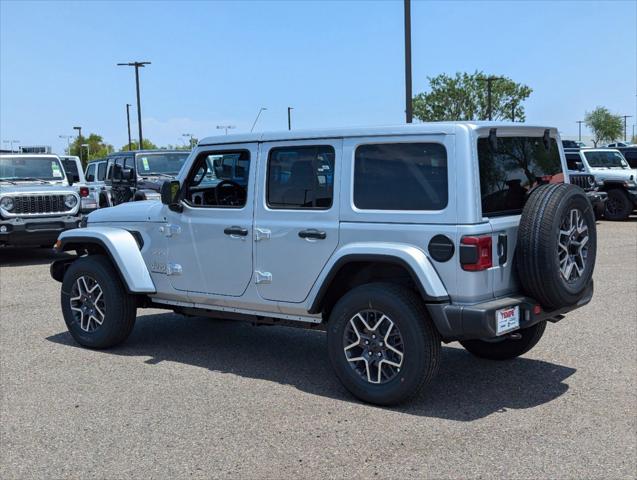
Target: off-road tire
[
  {"x": 506, "y": 348},
  {"x": 537, "y": 251},
  {"x": 619, "y": 203},
  {"x": 421, "y": 342},
  {"x": 120, "y": 306}
]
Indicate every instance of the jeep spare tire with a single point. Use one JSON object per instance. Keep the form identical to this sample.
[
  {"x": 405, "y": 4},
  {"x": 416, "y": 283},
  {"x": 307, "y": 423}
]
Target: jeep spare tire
[{"x": 557, "y": 243}]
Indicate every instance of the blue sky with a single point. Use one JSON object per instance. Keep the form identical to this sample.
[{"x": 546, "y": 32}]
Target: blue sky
[{"x": 336, "y": 63}]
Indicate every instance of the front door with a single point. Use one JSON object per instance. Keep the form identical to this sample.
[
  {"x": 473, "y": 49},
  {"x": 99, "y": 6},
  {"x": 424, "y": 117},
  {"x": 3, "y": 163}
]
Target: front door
[
  {"x": 210, "y": 242},
  {"x": 296, "y": 218}
]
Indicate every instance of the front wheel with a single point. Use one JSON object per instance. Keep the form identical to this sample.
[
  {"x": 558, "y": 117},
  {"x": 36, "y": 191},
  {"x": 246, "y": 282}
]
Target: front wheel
[
  {"x": 506, "y": 348},
  {"x": 382, "y": 344},
  {"x": 618, "y": 205},
  {"x": 97, "y": 310}
]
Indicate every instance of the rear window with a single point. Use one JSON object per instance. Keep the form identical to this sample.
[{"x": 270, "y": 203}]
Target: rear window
[
  {"x": 401, "y": 176},
  {"x": 512, "y": 169}
]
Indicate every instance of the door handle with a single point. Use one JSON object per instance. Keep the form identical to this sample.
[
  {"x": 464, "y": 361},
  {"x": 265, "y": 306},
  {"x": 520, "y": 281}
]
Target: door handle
[
  {"x": 234, "y": 230},
  {"x": 503, "y": 248},
  {"x": 313, "y": 234}
]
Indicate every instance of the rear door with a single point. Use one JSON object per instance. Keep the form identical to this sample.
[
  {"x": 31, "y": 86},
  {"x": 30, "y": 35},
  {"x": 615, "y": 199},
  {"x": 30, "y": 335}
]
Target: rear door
[
  {"x": 296, "y": 216},
  {"x": 520, "y": 163}
]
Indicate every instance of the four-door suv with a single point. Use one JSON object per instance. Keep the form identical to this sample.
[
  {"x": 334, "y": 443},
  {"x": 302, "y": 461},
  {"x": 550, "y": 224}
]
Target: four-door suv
[
  {"x": 138, "y": 175},
  {"x": 612, "y": 174},
  {"x": 391, "y": 239},
  {"x": 36, "y": 200}
]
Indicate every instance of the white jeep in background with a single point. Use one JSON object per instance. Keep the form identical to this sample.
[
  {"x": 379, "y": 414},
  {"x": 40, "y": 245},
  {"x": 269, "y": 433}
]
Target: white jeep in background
[
  {"x": 37, "y": 201},
  {"x": 391, "y": 239}
]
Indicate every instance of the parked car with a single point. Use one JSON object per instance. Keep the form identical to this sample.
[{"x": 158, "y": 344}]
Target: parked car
[
  {"x": 612, "y": 174},
  {"x": 37, "y": 201},
  {"x": 391, "y": 239},
  {"x": 570, "y": 144},
  {"x": 138, "y": 175},
  {"x": 97, "y": 174},
  {"x": 73, "y": 169},
  {"x": 620, "y": 145},
  {"x": 630, "y": 154}
]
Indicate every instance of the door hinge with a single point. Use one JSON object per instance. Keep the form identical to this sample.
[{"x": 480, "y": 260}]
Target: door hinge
[
  {"x": 262, "y": 234},
  {"x": 262, "y": 277},
  {"x": 173, "y": 269},
  {"x": 169, "y": 230}
]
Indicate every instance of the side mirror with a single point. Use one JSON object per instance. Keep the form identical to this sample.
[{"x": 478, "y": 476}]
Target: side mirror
[
  {"x": 70, "y": 179},
  {"x": 170, "y": 194},
  {"x": 117, "y": 173},
  {"x": 90, "y": 178},
  {"x": 579, "y": 166}
]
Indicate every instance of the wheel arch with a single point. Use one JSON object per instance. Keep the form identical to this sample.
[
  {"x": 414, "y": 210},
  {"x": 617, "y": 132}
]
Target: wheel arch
[
  {"x": 359, "y": 264},
  {"x": 119, "y": 245}
]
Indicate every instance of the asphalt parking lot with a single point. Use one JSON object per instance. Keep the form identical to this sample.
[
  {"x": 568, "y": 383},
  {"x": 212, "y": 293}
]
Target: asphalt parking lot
[{"x": 199, "y": 398}]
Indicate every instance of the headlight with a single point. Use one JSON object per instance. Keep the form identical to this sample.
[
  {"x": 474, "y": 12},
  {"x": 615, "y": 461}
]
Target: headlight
[
  {"x": 7, "y": 203},
  {"x": 70, "y": 201}
]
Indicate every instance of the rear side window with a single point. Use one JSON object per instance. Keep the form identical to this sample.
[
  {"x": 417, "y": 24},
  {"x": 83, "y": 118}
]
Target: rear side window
[
  {"x": 401, "y": 176},
  {"x": 512, "y": 169},
  {"x": 301, "y": 177}
]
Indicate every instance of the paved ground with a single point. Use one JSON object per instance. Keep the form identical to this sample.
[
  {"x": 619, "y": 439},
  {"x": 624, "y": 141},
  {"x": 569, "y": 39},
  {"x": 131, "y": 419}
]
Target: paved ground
[{"x": 197, "y": 398}]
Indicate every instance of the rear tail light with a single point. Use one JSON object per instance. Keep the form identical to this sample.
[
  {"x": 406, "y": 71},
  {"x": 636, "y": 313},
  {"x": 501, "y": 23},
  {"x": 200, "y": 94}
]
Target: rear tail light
[
  {"x": 476, "y": 253},
  {"x": 83, "y": 192}
]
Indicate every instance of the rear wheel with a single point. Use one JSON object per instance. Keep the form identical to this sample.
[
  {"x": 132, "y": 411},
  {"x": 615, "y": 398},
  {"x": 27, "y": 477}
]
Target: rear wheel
[
  {"x": 618, "y": 205},
  {"x": 382, "y": 344},
  {"x": 506, "y": 348},
  {"x": 98, "y": 311}
]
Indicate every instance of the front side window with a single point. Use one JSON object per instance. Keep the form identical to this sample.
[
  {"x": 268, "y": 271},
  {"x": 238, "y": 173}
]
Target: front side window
[
  {"x": 400, "y": 176},
  {"x": 510, "y": 171},
  {"x": 301, "y": 177},
  {"x": 212, "y": 182},
  {"x": 605, "y": 159},
  {"x": 90, "y": 173},
  {"x": 101, "y": 171},
  {"x": 161, "y": 163},
  {"x": 30, "y": 168}
]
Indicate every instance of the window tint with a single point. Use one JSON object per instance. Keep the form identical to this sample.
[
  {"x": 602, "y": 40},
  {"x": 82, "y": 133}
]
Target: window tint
[
  {"x": 301, "y": 177},
  {"x": 509, "y": 172},
  {"x": 90, "y": 173},
  {"x": 401, "y": 176},
  {"x": 101, "y": 171},
  {"x": 212, "y": 182}
]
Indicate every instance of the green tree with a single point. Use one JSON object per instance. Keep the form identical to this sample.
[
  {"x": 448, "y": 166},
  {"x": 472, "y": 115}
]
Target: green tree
[
  {"x": 465, "y": 97},
  {"x": 89, "y": 148},
  {"x": 605, "y": 126},
  {"x": 146, "y": 144}
]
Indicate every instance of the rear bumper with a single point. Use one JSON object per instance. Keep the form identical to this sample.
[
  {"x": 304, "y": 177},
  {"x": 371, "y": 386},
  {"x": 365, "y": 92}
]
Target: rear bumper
[
  {"x": 35, "y": 231},
  {"x": 470, "y": 322}
]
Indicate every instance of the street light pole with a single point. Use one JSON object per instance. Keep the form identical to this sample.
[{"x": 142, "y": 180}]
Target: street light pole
[
  {"x": 130, "y": 146},
  {"x": 79, "y": 140},
  {"x": 188, "y": 135},
  {"x": 408, "y": 94},
  {"x": 11, "y": 142},
  {"x": 256, "y": 119},
  {"x": 625, "y": 117},
  {"x": 137, "y": 66},
  {"x": 290, "y": 118},
  {"x": 579, "y": 124},
  {"x": 68, "y": 142},
  {"x": 225, "y": 127}
]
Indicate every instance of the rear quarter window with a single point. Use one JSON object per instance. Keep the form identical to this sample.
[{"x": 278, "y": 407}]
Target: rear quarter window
[
  {"x": 401, "y": 176},
  {"x": 517, "y": 165}
]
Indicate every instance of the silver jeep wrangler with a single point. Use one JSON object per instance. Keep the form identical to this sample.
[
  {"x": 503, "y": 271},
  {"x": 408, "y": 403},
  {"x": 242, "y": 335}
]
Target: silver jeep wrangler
[{"x": 391, "y": 239}]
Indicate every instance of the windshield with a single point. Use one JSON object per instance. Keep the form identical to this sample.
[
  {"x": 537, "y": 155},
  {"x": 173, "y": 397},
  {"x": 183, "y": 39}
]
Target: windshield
[
  {"x": 605, "y": 159},
  {"x": 27, "y": 168},
  {"x": 517, "y": 165},
  {"x": 161, "y": 163}
]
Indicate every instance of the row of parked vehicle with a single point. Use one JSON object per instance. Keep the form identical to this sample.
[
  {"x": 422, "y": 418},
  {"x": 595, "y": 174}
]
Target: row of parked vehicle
[{"x": 608, "y": 175}]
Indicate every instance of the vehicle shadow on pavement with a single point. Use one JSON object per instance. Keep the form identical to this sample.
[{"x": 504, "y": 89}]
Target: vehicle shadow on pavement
[
  {"x": 466, "y": 388},
  {"x": 19, "y": 257}
]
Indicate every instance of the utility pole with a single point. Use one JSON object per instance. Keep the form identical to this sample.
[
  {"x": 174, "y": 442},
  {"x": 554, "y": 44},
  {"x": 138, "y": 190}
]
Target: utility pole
[
  {"x": 290, "y": 118},
  {"x": 130, "y": 145},
  {"x": 625, "y": 117},
  {"x": 256, "y": 119},
  {"x": 408, "y": 93},
  {"x": 579, "y": 124},
  {"x": 137, "y": 66},
  {"x": 79, "y": 141}
]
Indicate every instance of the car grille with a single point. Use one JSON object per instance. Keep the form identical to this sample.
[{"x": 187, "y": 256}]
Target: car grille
[
  {"x": 584, "y": 181},
  {"x": 37, "y": 204}
]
